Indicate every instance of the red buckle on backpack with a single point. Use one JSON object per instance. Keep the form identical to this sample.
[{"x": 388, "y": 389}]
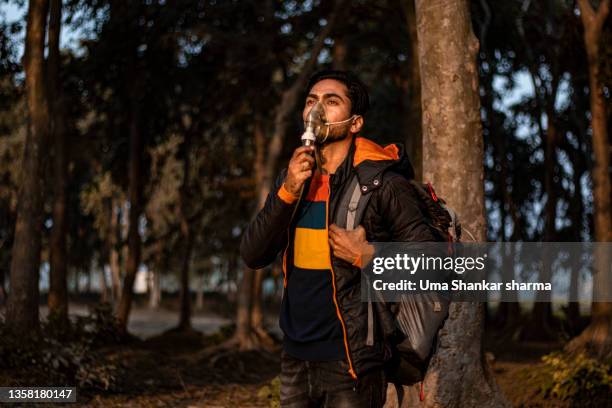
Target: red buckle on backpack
[{"x": 431, "y": 192}]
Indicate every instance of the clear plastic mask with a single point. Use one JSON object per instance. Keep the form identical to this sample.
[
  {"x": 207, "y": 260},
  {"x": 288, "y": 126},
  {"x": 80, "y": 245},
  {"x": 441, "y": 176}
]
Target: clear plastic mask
[{"x": 316, "y": 122}]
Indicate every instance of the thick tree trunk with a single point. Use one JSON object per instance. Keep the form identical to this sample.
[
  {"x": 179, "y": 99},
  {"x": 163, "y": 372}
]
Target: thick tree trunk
[
  {"x": 22, "y": 308},
  {"x": 58, "y": 288},
  {"x": 458, "y": 375},
  {"x": 597, "y": 337},
  {"x": 134, "y": 241}
]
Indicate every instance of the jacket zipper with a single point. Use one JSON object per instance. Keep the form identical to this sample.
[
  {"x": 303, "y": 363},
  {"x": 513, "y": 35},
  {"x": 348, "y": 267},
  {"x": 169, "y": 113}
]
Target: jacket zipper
[
  {"x": 345, "y": 338},
  {"x": 285, "y": 257}
]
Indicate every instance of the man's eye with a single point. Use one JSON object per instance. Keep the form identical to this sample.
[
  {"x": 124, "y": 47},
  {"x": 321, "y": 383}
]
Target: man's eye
[
  {"x": 309, "y": 102},
  {"x": 331, "y": 102}
]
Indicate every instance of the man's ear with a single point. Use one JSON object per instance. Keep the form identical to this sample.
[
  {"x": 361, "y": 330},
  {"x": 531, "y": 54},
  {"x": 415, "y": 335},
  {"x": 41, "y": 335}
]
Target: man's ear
[{"x": 357, "y": 124}]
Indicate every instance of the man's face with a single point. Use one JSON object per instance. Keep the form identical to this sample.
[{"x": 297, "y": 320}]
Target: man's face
[{"x": 334, "y": 97}]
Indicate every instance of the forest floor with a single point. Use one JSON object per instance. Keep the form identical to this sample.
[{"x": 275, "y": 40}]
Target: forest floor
[{"x": 171, "y": 369}]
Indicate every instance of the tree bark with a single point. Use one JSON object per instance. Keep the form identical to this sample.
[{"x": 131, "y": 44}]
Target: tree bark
[
  {"x": 58, "y": 288},
  {"x": 597, "y": 337},
  {"x": 458, "y": 375},
  {"x": 22, "y": 308}
]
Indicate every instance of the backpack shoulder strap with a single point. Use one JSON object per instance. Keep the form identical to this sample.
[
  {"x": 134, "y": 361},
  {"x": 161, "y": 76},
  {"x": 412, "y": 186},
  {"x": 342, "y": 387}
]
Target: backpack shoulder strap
[{"x": 352, "y": 205}]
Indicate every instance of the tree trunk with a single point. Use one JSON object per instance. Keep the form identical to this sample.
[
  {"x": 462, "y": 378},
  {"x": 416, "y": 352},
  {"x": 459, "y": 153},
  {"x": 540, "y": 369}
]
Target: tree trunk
[
  {"x": 58, "y": 289},
  {"x": 134, "y": 192},
  {"x": 186, "y": 227},
  {"x": 597, "y": 337},
  {"x": 244, "y": 334},
  {"x": 154, "y": 289},
  {"x": 577, "y": 211},
  {"x": 257, "y": 312},
  {"x": 2, "y": 289},
  {"x": 22, "y": 308},
  {"x": 458, "y": 375},
  {"x": 200, "y": 293},
  {"x": 185, "y": 295},
  {"x": 103, "y": 286},
  {"x": 155, "y": 277},
  {"x": 112, "y": 239}
]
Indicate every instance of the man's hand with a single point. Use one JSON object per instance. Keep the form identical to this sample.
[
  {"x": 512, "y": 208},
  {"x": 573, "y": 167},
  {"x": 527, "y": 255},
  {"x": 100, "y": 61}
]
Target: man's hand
[
  {"x": 350, "y": 246},
  {"x": 300, "y": 168}
]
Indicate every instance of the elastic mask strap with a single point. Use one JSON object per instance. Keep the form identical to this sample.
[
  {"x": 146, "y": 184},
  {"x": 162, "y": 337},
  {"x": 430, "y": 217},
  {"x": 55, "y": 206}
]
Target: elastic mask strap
[
  {"x": 327, "y": 125},
  {"x": 342, "y": 121}
]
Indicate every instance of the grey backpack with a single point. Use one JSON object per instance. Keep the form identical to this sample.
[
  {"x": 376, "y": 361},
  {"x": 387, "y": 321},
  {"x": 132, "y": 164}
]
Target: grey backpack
[{"x": 417, "y": 317}]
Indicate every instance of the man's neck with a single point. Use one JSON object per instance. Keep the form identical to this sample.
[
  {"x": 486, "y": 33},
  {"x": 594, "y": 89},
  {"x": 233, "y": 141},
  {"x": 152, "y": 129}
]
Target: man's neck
[{"x": 333, "y": 154}]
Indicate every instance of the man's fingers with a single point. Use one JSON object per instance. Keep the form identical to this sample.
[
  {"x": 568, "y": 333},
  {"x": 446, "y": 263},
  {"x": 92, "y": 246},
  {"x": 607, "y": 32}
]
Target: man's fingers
[
  {"x": 332, "y": 243},
  {"x": 336, "y": 229},
  {"x": 304, "y": 157},
  {"x": 302, "y": 149}
]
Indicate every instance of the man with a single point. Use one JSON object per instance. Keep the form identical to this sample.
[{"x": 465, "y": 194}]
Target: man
[{"x": 325, "y": 359}]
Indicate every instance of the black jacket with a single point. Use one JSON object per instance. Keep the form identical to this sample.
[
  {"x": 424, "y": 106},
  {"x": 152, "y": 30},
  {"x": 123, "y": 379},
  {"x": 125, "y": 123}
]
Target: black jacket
[{"x": 394, "y": 213}]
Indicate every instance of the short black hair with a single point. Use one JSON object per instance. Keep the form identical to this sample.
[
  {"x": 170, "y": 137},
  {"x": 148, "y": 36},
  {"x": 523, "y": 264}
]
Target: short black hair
[{"x": 357, "y": 91}]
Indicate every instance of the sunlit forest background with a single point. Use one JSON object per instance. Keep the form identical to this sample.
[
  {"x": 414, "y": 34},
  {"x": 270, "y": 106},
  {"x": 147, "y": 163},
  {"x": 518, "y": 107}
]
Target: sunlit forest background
[{"x": 138, "y": 138}]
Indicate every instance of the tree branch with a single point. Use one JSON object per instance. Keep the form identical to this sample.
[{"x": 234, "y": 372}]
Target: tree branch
[{"x": 586, "y": 10}]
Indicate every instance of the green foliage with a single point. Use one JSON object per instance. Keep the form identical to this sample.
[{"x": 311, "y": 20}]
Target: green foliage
[
  {"x": 64, "y": 353},
  {"x": 576, "y": 377}
]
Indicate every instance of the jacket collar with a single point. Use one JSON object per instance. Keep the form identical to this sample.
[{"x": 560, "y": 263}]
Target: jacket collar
[{"x": 371, "y": 160}]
